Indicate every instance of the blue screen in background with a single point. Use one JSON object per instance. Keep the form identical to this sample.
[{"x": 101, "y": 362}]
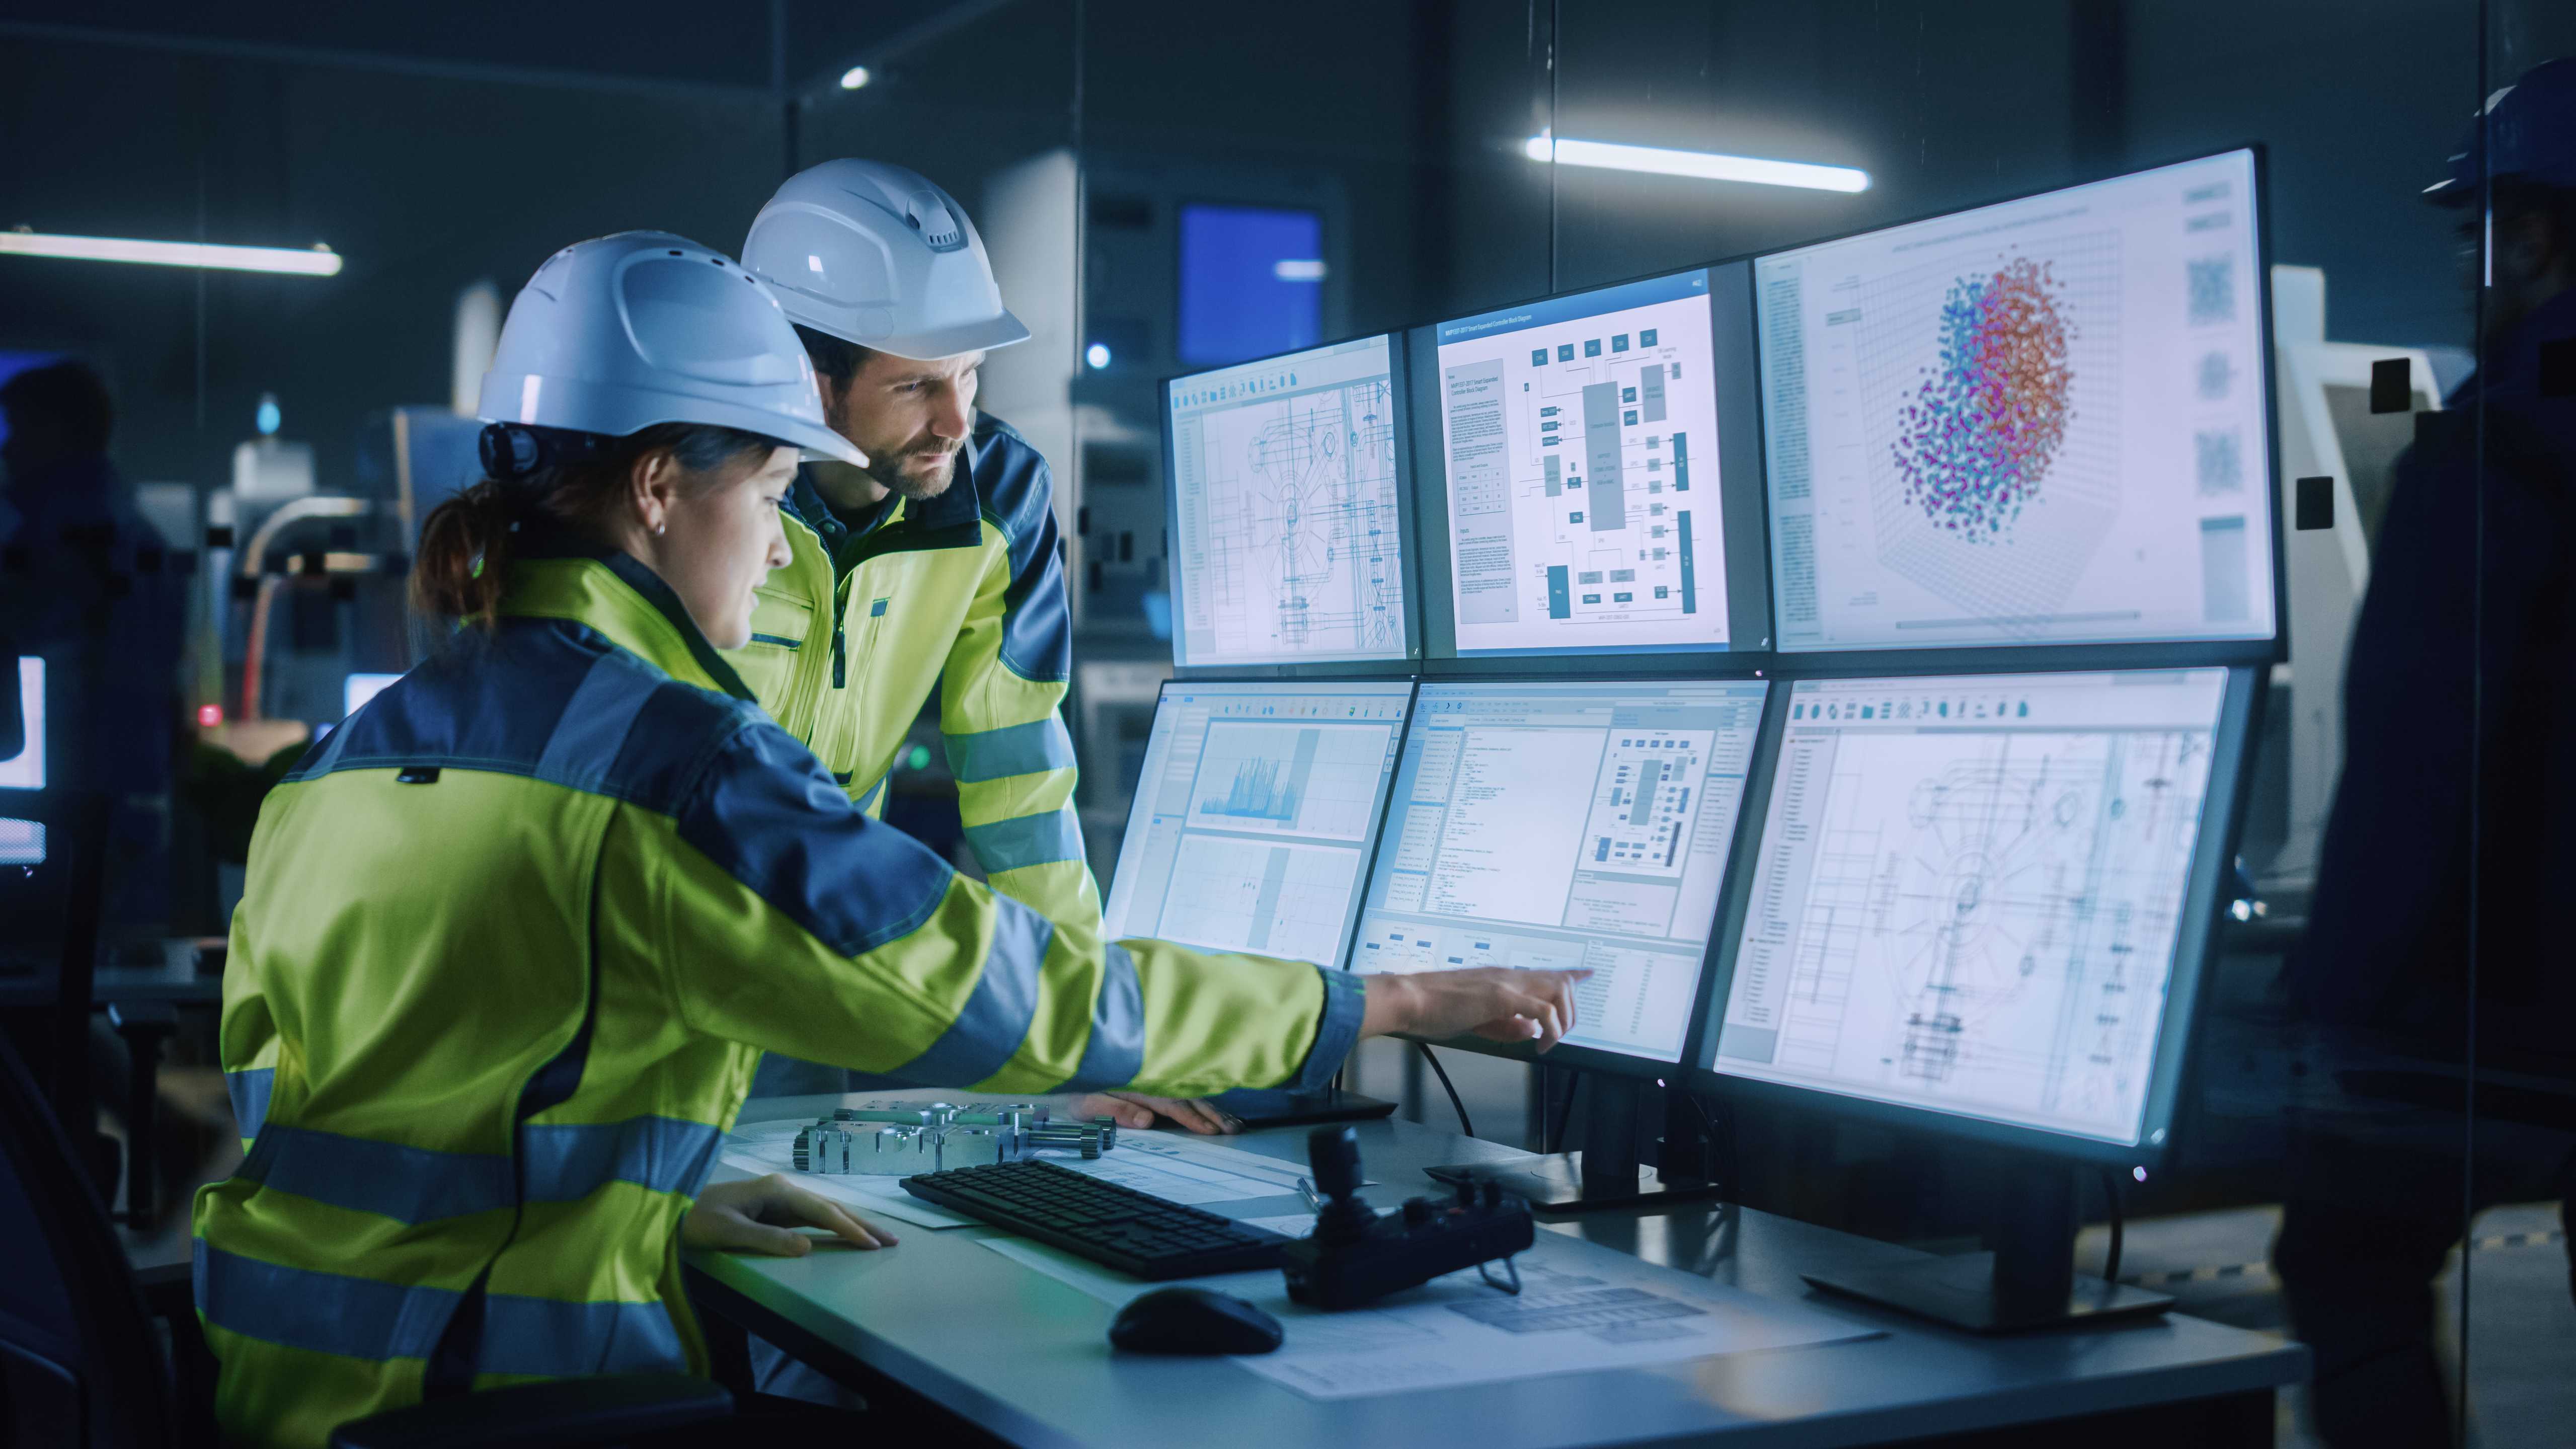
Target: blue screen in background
[
  {"x": 13, "y": 363},
  {"x": 1251, "y": 282}
]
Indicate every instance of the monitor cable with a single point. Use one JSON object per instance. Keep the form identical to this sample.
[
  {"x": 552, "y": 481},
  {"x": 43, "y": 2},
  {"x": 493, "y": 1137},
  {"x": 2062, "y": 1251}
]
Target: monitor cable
[
  {"x": 1565, "y": 1109},
  {"x": 1447, "y": 1086},
  {"x": 2111, "y": 1190}
]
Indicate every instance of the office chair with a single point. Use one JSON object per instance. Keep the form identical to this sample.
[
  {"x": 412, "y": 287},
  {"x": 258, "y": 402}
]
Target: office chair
[{"x": 81, "y": 1365}]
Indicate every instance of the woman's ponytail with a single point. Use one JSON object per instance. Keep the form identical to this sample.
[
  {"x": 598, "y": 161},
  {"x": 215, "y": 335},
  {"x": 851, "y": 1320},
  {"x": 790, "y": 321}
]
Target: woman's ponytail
[
  {"x": 465, "y": 554},
  {"x": 555, "y": 478}
]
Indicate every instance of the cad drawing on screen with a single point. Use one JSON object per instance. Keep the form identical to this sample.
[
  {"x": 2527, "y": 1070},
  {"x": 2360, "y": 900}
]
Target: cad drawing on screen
[
  {"x": 1301, "y": 523},
  {"x": 2012, "y": 900}
]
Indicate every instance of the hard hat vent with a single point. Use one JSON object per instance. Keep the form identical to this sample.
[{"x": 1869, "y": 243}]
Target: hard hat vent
[
  {"x": 931, "y": 217},
  {"x": 687, "y": 320}
]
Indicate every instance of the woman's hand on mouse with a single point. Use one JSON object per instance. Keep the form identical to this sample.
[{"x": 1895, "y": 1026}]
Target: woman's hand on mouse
[
  {"x": 1498, "y": 1003},
  {"x": 761, "y": 1215}
]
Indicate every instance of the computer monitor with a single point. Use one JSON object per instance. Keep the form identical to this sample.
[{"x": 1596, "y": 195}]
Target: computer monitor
[
  {"x": 357, "y": 689},
  {"x": 1596, "y": 455},
  {"x": 1286, "y": 496},
  {"x": 1253, "y": 823},
  {"x": 25, "y": 770},
  {"x": 1252, "y": 280},
  {"x": 22, "y": 842},
  {"x": 2038, "y": 422},
  {"x": 1568, "y": 824},
  {"x": 1979, "y": 903}
]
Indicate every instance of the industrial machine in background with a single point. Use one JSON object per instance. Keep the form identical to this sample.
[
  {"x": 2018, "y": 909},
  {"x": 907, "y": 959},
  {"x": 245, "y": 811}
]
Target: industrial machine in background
[{"x": 1128, "y": 270}]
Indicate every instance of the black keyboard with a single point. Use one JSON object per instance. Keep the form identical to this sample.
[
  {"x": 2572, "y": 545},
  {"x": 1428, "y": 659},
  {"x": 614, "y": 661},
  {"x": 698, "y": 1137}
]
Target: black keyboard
[{"x": 1134, "y": 1232}]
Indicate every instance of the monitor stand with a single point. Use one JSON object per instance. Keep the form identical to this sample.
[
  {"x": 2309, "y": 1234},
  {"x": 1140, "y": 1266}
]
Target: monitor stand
[
  {"x": 1257, "y": 1107},
  {"x": 1607, "y": 1173},
  {"x": 2028, "y": 1282}
]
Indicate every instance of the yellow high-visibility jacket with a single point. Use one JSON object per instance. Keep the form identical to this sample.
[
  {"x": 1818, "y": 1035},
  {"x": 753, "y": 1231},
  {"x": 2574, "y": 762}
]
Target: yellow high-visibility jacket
[
  {"x": 963, "y": 593},
  {"x": 512, "y": 940}
]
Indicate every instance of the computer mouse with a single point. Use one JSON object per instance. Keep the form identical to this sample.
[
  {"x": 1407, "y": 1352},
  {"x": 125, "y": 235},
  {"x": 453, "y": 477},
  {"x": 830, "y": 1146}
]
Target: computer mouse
[{"x": 1193, "y": 1320}]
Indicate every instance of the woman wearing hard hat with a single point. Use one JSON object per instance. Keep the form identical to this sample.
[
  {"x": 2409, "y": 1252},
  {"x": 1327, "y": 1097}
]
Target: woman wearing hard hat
[{"x": 515, "y": 934}]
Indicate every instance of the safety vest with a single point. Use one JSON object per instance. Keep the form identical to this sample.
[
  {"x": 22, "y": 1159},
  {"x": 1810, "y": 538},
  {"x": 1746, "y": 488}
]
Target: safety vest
[
  {"x": 964, "y": 594},
  {"x": 512, "y": 939}
]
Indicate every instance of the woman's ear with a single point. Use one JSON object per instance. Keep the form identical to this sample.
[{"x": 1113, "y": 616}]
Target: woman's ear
[{"x": 652, "y": 486}]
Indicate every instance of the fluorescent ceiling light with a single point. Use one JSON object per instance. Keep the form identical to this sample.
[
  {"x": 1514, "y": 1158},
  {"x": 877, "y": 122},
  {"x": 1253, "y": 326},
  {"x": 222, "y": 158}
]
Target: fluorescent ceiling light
[
  {"x": 855, "y": 77},
  {"x": 321, "y": 261},
  {"x": 1292, "y": 269},
  {"x": 1704, "y": 165}
]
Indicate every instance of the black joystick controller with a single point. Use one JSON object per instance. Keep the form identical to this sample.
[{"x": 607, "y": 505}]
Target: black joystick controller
[{"x": 1359, "y": 1255}]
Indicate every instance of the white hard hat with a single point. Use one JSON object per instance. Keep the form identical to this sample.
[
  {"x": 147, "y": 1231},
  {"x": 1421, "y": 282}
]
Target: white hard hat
[
  {"x": 615, "y": 335},
  {"x": 880, "y": 256}
]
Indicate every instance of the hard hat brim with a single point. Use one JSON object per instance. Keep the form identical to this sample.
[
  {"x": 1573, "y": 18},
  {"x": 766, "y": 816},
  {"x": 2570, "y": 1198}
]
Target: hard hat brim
[
  {"x": 934, "y": 346},
  {"x": 617, "y": 411}
]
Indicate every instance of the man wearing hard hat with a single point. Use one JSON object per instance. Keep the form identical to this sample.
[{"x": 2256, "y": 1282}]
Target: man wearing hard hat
[
  {"x": 936, "y": 565},
  {"x": 2436, "y": 937}
]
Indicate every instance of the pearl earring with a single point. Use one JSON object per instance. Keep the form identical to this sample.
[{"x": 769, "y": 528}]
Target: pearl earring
[{"x": 657, "y": 529}]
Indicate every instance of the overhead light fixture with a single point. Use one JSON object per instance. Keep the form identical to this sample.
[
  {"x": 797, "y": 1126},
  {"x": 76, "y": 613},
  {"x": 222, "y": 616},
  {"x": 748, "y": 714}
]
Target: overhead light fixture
[
  {"x": 1293, "y": 269},
  {"x": 1097, "y": 354},
  {"x": 321, "y": 261},
  {"x": 1702, "y": 165},
  {"x": 855, "y": 77}
]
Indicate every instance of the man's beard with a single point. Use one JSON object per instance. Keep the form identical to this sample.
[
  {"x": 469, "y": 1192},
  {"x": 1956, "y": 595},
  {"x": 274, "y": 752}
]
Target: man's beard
[{"x": 893, "y": 475}]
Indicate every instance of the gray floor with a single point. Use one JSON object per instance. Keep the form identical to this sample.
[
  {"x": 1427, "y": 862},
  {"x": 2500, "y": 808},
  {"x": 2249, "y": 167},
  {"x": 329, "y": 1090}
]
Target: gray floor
[{"x": 2522, "y": 1363}]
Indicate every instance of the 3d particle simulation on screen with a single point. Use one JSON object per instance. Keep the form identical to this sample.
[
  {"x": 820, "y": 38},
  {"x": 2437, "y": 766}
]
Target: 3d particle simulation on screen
[{"x": 1975, "y": 444}]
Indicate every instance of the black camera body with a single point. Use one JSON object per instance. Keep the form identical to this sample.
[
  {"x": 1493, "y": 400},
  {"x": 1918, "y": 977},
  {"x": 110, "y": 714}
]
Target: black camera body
[{"x": 1358, "y": 1255}]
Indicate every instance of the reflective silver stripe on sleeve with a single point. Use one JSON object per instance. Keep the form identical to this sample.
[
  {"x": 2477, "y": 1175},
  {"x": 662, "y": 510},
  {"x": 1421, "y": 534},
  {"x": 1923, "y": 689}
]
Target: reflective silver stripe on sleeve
[
  {"x": 1021, "y": 749},
  {"x": 1115, "y": 1051},
  {"x": 249, "y": 1089},
  {"x": 1026, "y": 840},
  {"x": 996, "y": 1017}
]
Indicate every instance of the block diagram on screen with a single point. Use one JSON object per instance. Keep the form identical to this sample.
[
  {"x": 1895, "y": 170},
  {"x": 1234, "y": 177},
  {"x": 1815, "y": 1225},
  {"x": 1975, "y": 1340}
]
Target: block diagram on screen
[
  {"x": 1582, "y": 469},
  {"x": 1553, "y": 827},
  {"x": 1979, "y": 919},
  {"x": 1641, "y": 808}
]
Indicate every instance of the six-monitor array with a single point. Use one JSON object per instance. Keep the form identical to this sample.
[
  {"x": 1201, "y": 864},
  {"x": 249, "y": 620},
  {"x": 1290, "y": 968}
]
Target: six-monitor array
[{"x": 1702, "y": 586}]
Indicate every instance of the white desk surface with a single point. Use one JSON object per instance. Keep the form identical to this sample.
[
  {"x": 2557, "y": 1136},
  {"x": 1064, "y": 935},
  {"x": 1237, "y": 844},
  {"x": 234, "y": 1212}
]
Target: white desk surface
[{"x": 1027, "y": 1357}]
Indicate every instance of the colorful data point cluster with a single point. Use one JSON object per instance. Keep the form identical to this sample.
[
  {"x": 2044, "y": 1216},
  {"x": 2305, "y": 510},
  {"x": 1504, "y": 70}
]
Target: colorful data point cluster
[{"x": 1977, "y": 440}]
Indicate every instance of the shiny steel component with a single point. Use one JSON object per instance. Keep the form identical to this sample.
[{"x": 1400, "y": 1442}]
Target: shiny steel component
[{"x": 898, "y": 1139}]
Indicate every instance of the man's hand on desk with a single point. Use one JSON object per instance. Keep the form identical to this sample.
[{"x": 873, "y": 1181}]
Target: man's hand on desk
[
  {"x": 1132, "y": 1109},
  {"x": 1498, "y": 1003},
  {"x": 761, "y": 1215}
]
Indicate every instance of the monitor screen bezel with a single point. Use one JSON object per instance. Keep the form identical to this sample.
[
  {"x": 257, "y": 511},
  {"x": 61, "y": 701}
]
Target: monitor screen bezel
[
  {"x": 1745, "y": 527},
  {"x": 2222, "y": 817},
  {"x": 1408, "y": 534},
  {"x": 1588, "y": 1058},
  {"x": 2077, "y": 654},
  {"x": 1410, "y": 692}
]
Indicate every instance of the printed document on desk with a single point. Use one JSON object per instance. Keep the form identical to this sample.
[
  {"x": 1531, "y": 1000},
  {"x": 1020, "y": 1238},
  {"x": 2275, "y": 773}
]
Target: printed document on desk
[
  {"x": 1184, "y": 1170},
  {"x": 1582, "y": 1307}
]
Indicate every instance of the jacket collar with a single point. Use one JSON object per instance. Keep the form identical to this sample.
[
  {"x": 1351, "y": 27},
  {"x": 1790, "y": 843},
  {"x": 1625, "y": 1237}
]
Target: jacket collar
[
  {"x": 961, "y": 504},
  {"x": 609, "y": 591}
]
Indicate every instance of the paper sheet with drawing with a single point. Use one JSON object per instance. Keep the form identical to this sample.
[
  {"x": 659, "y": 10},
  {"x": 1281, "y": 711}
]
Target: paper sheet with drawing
[
  {"x": 1581, "y": 1308},
  {"x": 1167, "y": 1165}
]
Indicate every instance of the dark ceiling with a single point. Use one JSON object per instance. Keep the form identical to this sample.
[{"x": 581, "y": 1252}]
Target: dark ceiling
[{"x": 728, "y": 46}]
